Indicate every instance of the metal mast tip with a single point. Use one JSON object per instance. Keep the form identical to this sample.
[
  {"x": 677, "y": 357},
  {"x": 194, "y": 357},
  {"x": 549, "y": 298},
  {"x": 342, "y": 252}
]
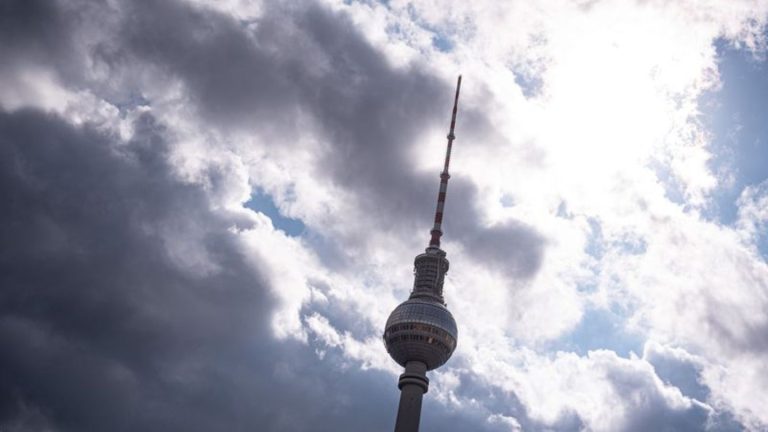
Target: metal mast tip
[{"x": 437, "y": 232}]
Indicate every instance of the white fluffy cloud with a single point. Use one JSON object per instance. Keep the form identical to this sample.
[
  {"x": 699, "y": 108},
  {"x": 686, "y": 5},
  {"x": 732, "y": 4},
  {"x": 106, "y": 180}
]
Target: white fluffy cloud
[{"x": 596, "y": 141}]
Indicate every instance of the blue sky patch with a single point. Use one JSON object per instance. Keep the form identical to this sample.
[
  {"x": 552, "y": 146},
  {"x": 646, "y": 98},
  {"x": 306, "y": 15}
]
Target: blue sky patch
[
  {"x": 599, "y": 329},
  {"x": 736, "y": 116},
  {"x": 263, "y": 203},
  {"x": 441, "y": 42}
]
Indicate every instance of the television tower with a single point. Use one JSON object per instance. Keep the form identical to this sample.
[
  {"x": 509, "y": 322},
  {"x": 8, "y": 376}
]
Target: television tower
[{"x": 420, "y": 333}]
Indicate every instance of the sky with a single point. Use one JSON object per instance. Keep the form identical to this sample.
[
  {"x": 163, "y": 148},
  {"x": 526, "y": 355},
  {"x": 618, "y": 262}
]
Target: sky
[{"x": 210, "y": 209}]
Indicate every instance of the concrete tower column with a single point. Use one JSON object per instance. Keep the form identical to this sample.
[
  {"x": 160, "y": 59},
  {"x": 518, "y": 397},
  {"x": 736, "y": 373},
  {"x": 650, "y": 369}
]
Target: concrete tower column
[{"x": 413, "y": 384}]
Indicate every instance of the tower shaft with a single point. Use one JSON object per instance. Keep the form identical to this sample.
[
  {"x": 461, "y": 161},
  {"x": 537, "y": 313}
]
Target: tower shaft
[
  {"x": 437, "y": 229},
  {"x": 413, "y": 384}
]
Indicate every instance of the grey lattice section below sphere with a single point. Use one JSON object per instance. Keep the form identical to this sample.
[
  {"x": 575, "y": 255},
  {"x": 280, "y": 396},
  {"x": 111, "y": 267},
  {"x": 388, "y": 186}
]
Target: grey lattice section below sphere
[{"x": 421, "y": 330}]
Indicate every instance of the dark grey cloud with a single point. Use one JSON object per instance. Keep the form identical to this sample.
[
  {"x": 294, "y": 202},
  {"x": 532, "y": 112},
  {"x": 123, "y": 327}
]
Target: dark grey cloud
[
  {"x": 315, "y": 61},
  {"x": 685, "y": 374},
  {"x": 646, "y": 407},
  {"x": 263, "y": 75},
  {"x": 101, "y": 330},
  {"x": 34, "y": 28},
  {"x": 99, "y": 318},
  {"x": 43, "y": 35},
  {"x": 718, "y": 320}
]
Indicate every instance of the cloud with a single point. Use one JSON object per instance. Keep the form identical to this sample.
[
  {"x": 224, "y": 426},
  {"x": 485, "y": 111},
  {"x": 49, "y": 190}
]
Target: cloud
[
  {"x": 128, "y": 286},
  {"x": 105, "y": 322},
  {"x": 608, "y": 392},
  {"x": 134, "y": 133},
  {"x": 34, "y": 29},
  {"x": 313, "y": 63},
  {"x": 94, "y": 303}
]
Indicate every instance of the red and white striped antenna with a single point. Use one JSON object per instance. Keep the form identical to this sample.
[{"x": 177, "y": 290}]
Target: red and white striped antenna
[{"x": 437, "y": 231}]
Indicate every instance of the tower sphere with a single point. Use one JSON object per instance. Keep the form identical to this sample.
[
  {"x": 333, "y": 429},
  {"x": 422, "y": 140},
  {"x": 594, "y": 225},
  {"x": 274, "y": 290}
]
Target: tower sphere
[{"x": 421, "y": 329}]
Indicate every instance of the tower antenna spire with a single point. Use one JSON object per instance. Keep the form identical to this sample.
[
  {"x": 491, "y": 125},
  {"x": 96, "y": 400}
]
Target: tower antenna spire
[{"x": 437, "y": 230}]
